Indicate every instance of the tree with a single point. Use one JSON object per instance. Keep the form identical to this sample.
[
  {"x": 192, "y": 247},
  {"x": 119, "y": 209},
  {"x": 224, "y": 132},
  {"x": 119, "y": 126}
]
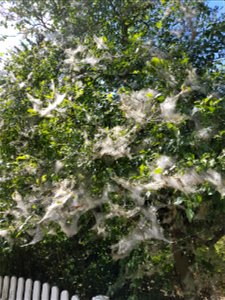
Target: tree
[{"x": 121, "y": 123}]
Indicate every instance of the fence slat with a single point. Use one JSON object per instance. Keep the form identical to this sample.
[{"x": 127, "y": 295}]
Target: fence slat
[
  {"x": 75, "y": 297},
  {"x": 100, "y": 297},
  {"x": 64, "y": 295},
  {"x": 20, "y": 289},
  {"x": 54, "y": 293},
  {"x": 1, "y": 282},
  {"x": 5, "y": 288},
  {"x": 36, "y": 290},
  {"x": 12, "y": 289},
  {"x": 28, "y": 289},
  {"x": 45, "y": 291}
]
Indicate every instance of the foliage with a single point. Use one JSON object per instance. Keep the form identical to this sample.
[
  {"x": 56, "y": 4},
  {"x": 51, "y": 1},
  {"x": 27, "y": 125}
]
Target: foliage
[{"x": 120, "y": 125}]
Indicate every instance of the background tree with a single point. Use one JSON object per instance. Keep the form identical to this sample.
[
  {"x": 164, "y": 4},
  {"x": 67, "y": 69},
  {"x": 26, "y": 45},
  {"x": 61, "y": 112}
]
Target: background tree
[{"x": 117, "y": 126}]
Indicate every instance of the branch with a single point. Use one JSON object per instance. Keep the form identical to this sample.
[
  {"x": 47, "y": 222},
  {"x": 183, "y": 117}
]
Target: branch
[{"x": 217, "y": 236}]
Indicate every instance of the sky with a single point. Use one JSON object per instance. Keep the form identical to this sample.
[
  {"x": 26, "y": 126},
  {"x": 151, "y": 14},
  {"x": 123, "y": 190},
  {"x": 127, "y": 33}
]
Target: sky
[
  {"x": 219, "y": 3},
  {"x": 13, "y": 38}
]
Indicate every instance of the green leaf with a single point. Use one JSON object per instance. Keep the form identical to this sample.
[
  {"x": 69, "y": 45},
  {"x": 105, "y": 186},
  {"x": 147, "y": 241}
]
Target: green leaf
[
  {"x": 32, "y": 111},
  {"x": 156, "y": 60},
  {"x": 44, "y": 178},
  {"x": 22, "y": 157},
  {"x": 190, "y": 214},
  {"x": 159, "y": 24},
  {"x": 179, "y": 200},
  {"x": 158, "y": 171}
]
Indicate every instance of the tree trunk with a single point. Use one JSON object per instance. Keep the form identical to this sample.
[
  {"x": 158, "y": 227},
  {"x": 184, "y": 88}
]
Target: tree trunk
[{"x": 184, "y": 273}]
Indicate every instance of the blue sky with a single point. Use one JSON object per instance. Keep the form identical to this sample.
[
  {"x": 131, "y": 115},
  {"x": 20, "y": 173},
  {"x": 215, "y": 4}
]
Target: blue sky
[{"x": 219, "y": 3}]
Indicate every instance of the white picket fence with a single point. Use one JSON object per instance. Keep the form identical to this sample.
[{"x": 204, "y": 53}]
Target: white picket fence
[{"x": 13, "y": 288}]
